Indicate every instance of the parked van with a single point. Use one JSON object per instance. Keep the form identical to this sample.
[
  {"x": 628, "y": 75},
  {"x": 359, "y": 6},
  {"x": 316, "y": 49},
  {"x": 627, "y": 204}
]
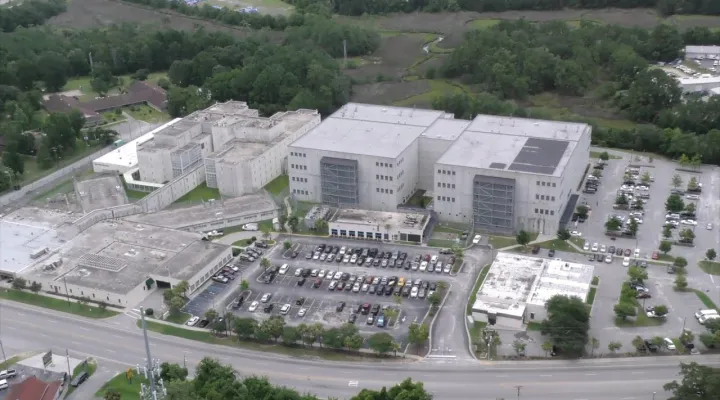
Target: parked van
[
  {"x": 702, "y": 320},
  {"x": 3, "y": 384},
  {"x": 705, "y": 313}
]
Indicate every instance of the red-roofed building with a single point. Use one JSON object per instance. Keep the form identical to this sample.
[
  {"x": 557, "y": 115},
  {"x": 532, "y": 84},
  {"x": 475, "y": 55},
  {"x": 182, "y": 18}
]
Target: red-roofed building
[{"x": 33, "y": 388}]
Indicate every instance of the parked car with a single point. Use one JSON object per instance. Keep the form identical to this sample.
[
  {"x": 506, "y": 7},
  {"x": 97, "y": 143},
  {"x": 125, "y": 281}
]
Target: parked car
[
  {"x": 193, "y": 321},
  {"x": 253, "y": 306},
  {"x": 669, "y": 344},
  {"x": 477, "y": 239}
]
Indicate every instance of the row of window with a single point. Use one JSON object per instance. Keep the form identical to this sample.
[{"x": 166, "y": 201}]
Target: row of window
[
  {"x": 446, "y": 172},
  {"x": 400, "y": 188},
  {"x": 401, "y": 174},
  {"x": 541, "y": 211},
  {"x": 381, "y": 190},
  {"x": 292, "y": 153},
  {"x": 401, "y": 161},
  {"x": 298, "y": 166},
  {"x": 380, "y": 164},
  {"x": 545, "y": 183},
  {"x": 544, "y": 197},
  {"x": 446, "y": 185},
  {"x": 298, "y": 179},
  {"x": 361, "y": 235},
  {"x": 445, "y": 198},
  {"x": 383, "y": 177},
  {"x": 298, "y": 191}
]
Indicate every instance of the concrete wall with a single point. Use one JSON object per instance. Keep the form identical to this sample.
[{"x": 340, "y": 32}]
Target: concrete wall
[
  {"x": 58, "y": 287},
  {"x": 155, "y": 165},
  {"x": 103, "y": 214},
  {"x": 229, "y": 220},
  {"x": 166, "y": 195},
  {"x": 429, "y": 151}
]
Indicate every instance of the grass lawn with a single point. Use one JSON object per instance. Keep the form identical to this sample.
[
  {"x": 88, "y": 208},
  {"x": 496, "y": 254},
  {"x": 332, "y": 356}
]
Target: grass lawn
[
  {"x": 301, "y": 208},
  {"x": 441, "y": 243},
  {"x": 483, "y": 23},
  {"x": 437, "y": 88},
  {"x": 110, "y": 117},
  {"x": 595, "y": 280},
  {"x": 591, "y": 295},
  {"x": 447, "y": 229},
  {"x": 596, "y": 154},
  {"x": 478, "y": 282},
  {"x": 133, "y": 194},
  {"x": 665, "y": 257},
  {"x": 179, "y": 318},
  {"x": 476, "y": 331},
  {"x": 710, "y": 267},
  {"x": 9, "y": 363},
  {"x": 705, "y": 299},
  {"x": 89, "y": 366},
  {"x": 129, "y": 390},
  {"x": 549, "y": 105},
  {"x": 557, "y": 244},
  {"x": 534, "y": 326},
  {"x": 278, "y": 185},
  {"x": 200, "y": 193},
  {"x": 580, "y": 242},
  {"x": 640, "y": 320},
  {"x": 146, "y": 113},
  {"x": 206, "y": 337},
  {"x": 55, "y": 304},
  {"x": 499, "y": 242}
]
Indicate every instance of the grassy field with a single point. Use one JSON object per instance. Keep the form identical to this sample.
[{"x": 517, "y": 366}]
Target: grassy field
[
  {"x": 133, "y": 194},
  {"x": 640, "y": 320},
  {"x": 206, "y": 337},
  {"x": 478, "y": 282},
  {"x": 179, "y": 318},
  {"x": 596, "y": 154},
  {"x": 146, "y": 113},
  {"x": 83, "y": 84},
  {"x": 591, "y": 295},
  {"x": 483, "y": 23},
  {"x": 55, "y": 304},
  {"x": 129, "y": 390},
  {"x": 278, "y": 185},
  {"x": 710, "y": 267},
  {"x": 534, "y": 326},
  {"x": 557, "y": 244},
  {"x": 437, "y": 88},
  {"x": 200, "y": 193},
  {"x": 90, "y": 366},
  {"x": 499, "y": 242},
  {"x": 705, "y": 299},
  {"x": 441, "y": 243}
]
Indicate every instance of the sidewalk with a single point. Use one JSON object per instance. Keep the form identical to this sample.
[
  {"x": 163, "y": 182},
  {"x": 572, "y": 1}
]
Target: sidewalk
[{"x": 87, "y": 390}]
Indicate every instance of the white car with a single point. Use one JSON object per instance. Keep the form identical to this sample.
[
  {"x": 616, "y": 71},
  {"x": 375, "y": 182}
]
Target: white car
[
  {"x": 586, "y": 246},
  {"x": 433, "y": 260},
  {"x": 688, "y": 222},
  {"x": 321, "y": 274},
  {"x": 192, "y": 321},
  {"x": 316, "y": 256},
  {"x": 353, "y": 259},
  {"x": 692, "y": 197},
  {"x": 250, "y": 227},
  {"x": 323, "y": 256},
  {"x": 575, "y": 233},
  {"x": 626, "y": 262},
  {"x": 672, "y": 222},
  {"x": 285, "y": 309},
  {"x": 342, "y": 250},
  {"x": 423, "y": 266},
  {"x": 284, "y": 269},
  {"x": 609, "y": 258},
  {"x": 338, "y": 275},
  {"x": 253, "y": 306},
  {"x": 356, "y": 288},
  {"x": 709, "y": 227},
  {"x": 669, "y": 344},
  {"x": 637, "y": 253},
  {"x": 301, "y": 312},
  {"x": 476, "y": 239},
  {"x": 298, "y": 271},
  {"x": 414, "y": 292},
  {"x": 266, "y": 297},
  {"x": 603, "y": 248},
  {"x": 447, "y": 268},
  {"x": 365, "y": 287},
  {"x": 637, "y": 219},
  {"x": 595, "y": 247}
]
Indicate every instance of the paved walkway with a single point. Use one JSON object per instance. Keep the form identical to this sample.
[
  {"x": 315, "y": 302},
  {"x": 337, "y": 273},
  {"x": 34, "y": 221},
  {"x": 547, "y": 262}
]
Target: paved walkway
[{"x": 87, "y": 390}]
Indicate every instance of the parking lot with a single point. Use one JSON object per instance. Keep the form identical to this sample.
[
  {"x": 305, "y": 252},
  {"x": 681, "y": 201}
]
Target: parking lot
[{"x": 216, "y": 294}]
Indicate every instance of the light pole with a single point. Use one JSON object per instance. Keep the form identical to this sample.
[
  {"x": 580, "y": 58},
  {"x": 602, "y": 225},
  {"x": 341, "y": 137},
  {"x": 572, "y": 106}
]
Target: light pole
[{"x": 654, "y": 395}]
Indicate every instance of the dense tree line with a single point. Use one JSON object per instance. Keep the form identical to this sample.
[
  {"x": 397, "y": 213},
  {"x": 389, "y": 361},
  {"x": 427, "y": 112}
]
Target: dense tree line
[
  {"x": 318, "y": 29},
  {"x": 214, "y": 381},
  {"x": 29, "y": 13},
  {"x": 360, "y": 7}
]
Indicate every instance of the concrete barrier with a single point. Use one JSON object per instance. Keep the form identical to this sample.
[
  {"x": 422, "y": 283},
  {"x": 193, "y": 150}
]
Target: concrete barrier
[{"x": 175, "y": 189}]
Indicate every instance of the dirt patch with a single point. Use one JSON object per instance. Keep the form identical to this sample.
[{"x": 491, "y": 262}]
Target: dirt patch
[
  {"x": 96, "y": 13},
  {"x": 388, "y": 92},
  {"x": 395, "y": 55}
]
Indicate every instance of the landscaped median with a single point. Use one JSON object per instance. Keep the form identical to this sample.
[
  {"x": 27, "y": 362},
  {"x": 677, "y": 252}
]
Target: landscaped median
[
  {"x": 475, "y": 330},
  {"x": 52, "y": 303},
  {"x": 128, "y": 389},
  {"x": 89, "y": 366},
  {"x": 710, "y": 267}
]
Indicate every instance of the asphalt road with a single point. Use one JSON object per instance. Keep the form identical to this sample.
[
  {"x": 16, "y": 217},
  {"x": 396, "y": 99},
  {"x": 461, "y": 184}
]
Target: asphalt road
[{"x": 117, "y": 342}]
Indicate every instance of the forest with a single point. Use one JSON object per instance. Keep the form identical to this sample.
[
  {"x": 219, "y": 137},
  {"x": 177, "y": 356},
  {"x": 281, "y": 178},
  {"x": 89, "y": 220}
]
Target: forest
[
  {"x": 29, "y": 13},
  {"x": 516, "y": 59},
  {"x": 360, "y": 7}
]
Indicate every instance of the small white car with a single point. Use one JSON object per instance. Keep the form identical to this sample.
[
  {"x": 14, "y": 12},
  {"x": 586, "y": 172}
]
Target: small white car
[
  {"x": 284, "y": 269},
  {"x": 316, "y": 256},
  {"x": 688, "y": 222},
  {"x": 342, "y": 250},
  {"x": 265, "y": 298},
  {"x": 346, "y": 258},
  {"x": 301, "y": 312},
  {"x": 321, "y": 274},
  {"x": 595, "y": 247},
  {"x": 192, "y": 321},
  {"x": 586, "y": 246},
  {"x": 285, "y": 309},
  {"x": 603, "y": 248},
  {"x": 709, "y": 227},
  {"x": 356, "y": 288},
  {"x": 447, "y": 268},
  {"x": 323, "y": 256},
  {"x": 692, "y": 197},
  {"x": 476, "y": 239},
  {"x": 637, "y": 253},
  {"x": 637, "y": 219},
  {"x": 338, "y": 275},
  {"x": 353, "y": 259},
  {"x": 669, "y": 344},
  {"x": 626, "y": 262},
  {"x": 575, "y": 233},
  {"x": 298, "y": 271},
  {"x": 609, "y": 259},
  {"x": 330, "y": 257},
  {"x": 250, "y": 227},
  {"x": 365, "y": 287},
  {"x": 423, "y": 266},
  {"x": 253, "y": 306},
  {"x": 414, "y": 292},
  {"x": 433, "y": 260},
  {"x": 672, "y": 222}
]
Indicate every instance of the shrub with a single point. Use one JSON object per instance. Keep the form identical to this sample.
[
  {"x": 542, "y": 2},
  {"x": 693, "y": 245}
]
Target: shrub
[{"x": 149, "y": 312}]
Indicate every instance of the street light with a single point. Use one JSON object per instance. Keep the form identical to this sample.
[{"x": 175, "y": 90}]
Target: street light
[{"x": 654, "y": 395}]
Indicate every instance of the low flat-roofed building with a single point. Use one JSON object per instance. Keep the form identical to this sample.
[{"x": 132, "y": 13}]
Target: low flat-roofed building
[
  {"x": 699, "y": 84},
  {"x": 378, "y": 225},
  {"x": 102, "y": 191},
  {"x": 701, "y": 51},
  {"x": 112, "y": 261},
  {"x": 517, "y": 287}
]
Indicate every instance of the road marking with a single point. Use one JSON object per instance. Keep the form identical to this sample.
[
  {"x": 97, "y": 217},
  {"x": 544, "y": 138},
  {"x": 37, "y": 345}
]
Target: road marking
[
  {"x": 110, "y": 351},
  {"x": 77, "y": 343},
  {"x": 21, "y": 314},
  {"x": 637, "y": 372},
  {"x": 627, "y": 398},
  {"x": 353, "y": 383},
  {"x": 545, "y": 375},
  {"x": 502, "y": 376},
  {"x": 590, "y": 374},
  {"x": 119, "y": 337},
  {"x": 83, "y": 328}
]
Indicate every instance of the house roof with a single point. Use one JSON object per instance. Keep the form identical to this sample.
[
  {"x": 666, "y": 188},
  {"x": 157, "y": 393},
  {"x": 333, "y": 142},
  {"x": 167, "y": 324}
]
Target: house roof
[
  {"x": 33, "y": 388},
  {"x": 138, "y": 92}
]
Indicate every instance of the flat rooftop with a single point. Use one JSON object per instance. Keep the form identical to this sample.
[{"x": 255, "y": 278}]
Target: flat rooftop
[
  {"x": 117, "y": 256},
  {"x": 516, "y": 144},
  {"x": 515, "y": 280},
  {"x": 702, "y": 49},
  {"x": 446, "y": 129},
  {"x": 102, "y": 191},
  {"x": 237, "y": 151},
  {"x": 26, "y": 230},
  {"x": 125, "y": 156},
  {"x": 699, "y": 80},
  {"x": 373, "y": 219},
  {"x": 236, "y": 207}
]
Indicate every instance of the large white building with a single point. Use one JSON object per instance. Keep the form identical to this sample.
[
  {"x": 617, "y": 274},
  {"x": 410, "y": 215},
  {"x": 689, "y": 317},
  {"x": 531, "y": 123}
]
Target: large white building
[
  {"x": 517, "y": 287},
  {"x": 502, "y": 174},
  {"x": 241, "y": 151}
]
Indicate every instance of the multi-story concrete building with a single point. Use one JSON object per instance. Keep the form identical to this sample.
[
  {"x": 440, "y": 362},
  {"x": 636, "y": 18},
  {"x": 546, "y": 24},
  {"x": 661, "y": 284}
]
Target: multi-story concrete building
[
  {"x": 241, "y": 151},
  {"x": 501, "y": 174}
]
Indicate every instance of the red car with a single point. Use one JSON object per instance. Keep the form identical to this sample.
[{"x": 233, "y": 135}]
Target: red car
[
  {"x": 655, "y": 255},
  {"x": 628, "y": 252}
]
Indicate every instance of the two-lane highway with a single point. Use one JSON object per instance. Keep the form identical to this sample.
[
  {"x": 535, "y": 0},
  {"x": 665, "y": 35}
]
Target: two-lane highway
[{"x": 24, "y": 328}]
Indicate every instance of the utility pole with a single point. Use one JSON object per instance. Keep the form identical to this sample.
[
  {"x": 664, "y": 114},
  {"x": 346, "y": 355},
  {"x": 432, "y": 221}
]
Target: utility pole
[
  {"x": 152, "y": 368},
  {"x": 518, "y": 387},
  {"x": 67, "y": 357},
  {"x": 345, "y": 53}
]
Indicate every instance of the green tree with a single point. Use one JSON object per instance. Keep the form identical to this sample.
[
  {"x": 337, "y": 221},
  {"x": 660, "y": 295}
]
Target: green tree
[
  {"x": 681, "y": 282},
  {"x": 687, "y": 235},
  {"x": 637, "y": 274},
  {"x": 354, "y": 342},
  {"x": 661, "y": 310},
  {"x": 614, "y": 346},
  {"x": 273, "y": 326},
  {"x": 290, "y": 335},
  {"x": 676, "y": 181},
  {"x": 265, "y": 233},
  {"x": 12, "y": 159},
  {"x": 245, "y": 327},
  {"x": 623, "y": 310},
  {"x": 674, "y": 203},
  {"x": 710, "y": 254},
  {"x": 19, "y": 284},
  {"x": 638, "y": 342},
  {"x": 698, "y": 382},
  {"x": 680, "y": 262},
  {"x": 582, "y": 211},
  {"x": 692, "y": 184},
  {"x": 287, "y": 245},
  {"x": 172, "y": 372},
  {"x": 265, "y": 263},
  {"x": 35, "y": 287},
  {"x": 112, "y": 394},
  {"x": 645, "y": 178},
  {"x": 523, "y": 238},
  {"x": 613, "y": 225},
  {"x": 567, "y": 323},
  {"x": 519, "y": 347},
  {"x": 667, "y": 232},
  {"x": 563, "y": 234},
  {"x": 633, "y": 227},
  {"x": 435, "y": 299},
  {"x": 381, "y": 342},
  {"x": 293, "y": 222},
  {"x": 604, "y": 156},
  {"x": 594, "y": 345},
  {"x": 418, "y": 334},
  {"x": 211, "y": 315},
  {"x": 621, "y": 200},
  {"x": 321, "y": 225},
  {"x": 690, "y": 207},
  {"x": 244, "y": 285},
  {"x": 547, "y": 347},
  {"x": 407, "y": 389},
  {"x": 665, "y": 246}
]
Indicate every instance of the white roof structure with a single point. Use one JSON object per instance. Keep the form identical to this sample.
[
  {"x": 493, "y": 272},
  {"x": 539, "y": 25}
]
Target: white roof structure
[
  {"x": 699, "y": 81},
  {"x": 701, "y": 50},
  {"x": 515, "y": 281},
  {"x": 125, "y": 157}
]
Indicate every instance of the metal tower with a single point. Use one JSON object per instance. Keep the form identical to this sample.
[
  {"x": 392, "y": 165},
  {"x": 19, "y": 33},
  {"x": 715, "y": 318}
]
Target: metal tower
[{"x": 151, "y": 370}]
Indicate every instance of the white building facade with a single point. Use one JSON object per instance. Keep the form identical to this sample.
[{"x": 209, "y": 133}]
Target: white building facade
[{"x": 500, "y": 174}]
